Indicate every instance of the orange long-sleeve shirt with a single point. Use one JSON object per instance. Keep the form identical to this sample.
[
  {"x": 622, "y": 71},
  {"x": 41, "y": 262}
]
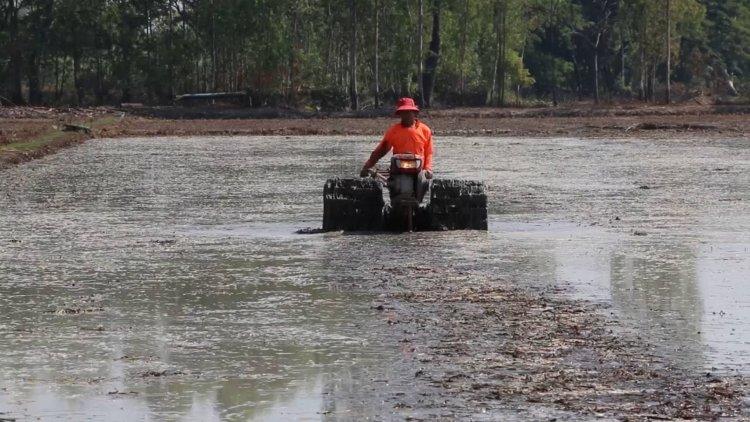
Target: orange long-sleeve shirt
[{"x": 416, "y": 139}]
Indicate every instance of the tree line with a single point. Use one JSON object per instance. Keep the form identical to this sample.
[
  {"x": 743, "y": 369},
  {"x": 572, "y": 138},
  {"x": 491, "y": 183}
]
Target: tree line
[{"x": 336, "y": 54}]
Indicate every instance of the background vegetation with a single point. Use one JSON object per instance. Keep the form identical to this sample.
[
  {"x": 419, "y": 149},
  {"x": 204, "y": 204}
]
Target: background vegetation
[{"x": 335, "y": 54}]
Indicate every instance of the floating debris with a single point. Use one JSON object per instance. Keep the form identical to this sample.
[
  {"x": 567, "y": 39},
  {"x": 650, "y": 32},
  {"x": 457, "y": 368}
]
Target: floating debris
[
  {"x": 164, "y": 373},
  {"x": 309, "y": 230},
  {"x": 75, "y": 311},
  {"x": 98, "y": 328},
  {"x": 164, "y": 242},
  {"x": 122, "y": 393}
]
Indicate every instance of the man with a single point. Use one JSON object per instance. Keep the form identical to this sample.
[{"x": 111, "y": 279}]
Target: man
[{"x": 408, "y": 136}]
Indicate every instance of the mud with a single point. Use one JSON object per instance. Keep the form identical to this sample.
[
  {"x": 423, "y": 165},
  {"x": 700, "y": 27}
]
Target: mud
[
  {"x": 210, "y": 307},
  {"x": 495, "y": 350}
]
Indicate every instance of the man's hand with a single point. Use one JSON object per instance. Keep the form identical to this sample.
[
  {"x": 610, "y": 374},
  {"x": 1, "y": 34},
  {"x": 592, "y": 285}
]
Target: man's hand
[
  {"x": 365, "y": 172},
  {"x": 428, "y": 174}
]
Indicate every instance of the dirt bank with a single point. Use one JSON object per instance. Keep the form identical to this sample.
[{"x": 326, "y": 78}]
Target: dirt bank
[
  {"x": 23, "y": 124},
  {"x": 581, "y": 121},
  {"x": 28, "y": 133},
  {"x": 492, "y": 348}
]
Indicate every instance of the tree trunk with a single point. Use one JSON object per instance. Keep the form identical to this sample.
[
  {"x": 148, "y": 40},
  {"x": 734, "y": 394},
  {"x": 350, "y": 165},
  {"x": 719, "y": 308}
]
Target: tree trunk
[
  {"x": 353, "y": 58},
  {"x": 171, "y": 61},
  {"x": 518, "y": 86},
  {"x": 652, "y": 83},
  {"x": 596, "y": 68},
  {"x": 503, "y": 51},
  {"x": 554, "y": 94},
  {"x": 329, "y": 46},
  {"x": 125, "y": 73},
  {"x": 431, "y": 64},
  {"x": 420, "y": 31},
  {"x": 292, "y": 75},
  {"x": 76, "y": 81},
  {"x": 642, "y": 77},
  {"x": 493, "y": 88},
  {"x": 99, "y": 79},
  {"x": 16, "y": 72},
  {"x": 57, "y": 79},
  {"x": 41, "y": 25},
  {"x": 577, "y": 72},
  {"x": 214, "y": 64},
  {"x": 377, "y": 54},
  {"x": 623, "y": 80},
  {"x": 462, "y": 54},
  {"x": 669, "y": 54},
  {"x": 35, "y": 96},
  {"x": 35, "y": 92}
]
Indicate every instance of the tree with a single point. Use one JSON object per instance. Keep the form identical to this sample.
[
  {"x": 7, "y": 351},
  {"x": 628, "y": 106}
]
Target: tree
[
  {"x": 644, "y": 26},
  {"x": 353, "y": 58},
  {"x": 596, "y": 33},
  {"x": 433, "y": 56},
  {"x": 728, "y": 43},
  {"x": 420, "y": 36},
  {"x": 668, "y": 39},
  {"x": 318, "y": 52},
  {"x": 14, "y": 51},
  {"x": 552, "y": 24}
]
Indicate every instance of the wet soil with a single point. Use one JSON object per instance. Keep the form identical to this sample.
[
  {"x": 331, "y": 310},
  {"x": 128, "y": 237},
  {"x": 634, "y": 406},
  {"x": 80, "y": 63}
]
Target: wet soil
[
  {"x": 162, "y": 278},
  {"x": 495, "y": 349}
]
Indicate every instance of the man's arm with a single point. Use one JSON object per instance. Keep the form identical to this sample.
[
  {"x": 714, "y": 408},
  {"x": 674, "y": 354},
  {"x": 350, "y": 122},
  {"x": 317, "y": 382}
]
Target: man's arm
[
  {"x": 428, "y": 152},
  {"x": 380, "y": 151}
]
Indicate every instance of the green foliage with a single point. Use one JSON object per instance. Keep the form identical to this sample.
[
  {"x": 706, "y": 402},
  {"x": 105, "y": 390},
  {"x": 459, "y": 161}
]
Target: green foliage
[
  {"x": 729, "y": 34},
  {"x": 297, "y": 51},
  {"x": 518, "y": 74}
]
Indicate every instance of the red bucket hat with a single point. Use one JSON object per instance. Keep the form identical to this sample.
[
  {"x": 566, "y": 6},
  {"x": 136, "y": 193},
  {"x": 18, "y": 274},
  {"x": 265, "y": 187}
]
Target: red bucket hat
[{"x": 406, "y": 104}]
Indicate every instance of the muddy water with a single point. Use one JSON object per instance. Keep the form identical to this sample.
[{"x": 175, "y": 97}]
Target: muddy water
[{"x": 161, "y": 279}]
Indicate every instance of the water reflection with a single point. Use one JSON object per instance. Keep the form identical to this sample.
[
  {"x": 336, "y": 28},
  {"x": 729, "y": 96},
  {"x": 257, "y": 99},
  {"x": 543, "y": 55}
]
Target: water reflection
[
  {"x": 687, "y": 298},
  {"x": 723, "y": 268},
  {"x": 656, "y": 285}
]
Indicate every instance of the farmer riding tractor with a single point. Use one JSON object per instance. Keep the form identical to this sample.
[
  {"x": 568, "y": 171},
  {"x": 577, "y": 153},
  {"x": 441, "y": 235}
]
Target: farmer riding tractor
[{"x": 358, "y": 204}]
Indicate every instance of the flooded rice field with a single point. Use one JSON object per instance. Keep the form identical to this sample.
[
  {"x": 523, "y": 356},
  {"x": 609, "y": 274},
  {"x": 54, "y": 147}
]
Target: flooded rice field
[{"x": 161, "y": 279}]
